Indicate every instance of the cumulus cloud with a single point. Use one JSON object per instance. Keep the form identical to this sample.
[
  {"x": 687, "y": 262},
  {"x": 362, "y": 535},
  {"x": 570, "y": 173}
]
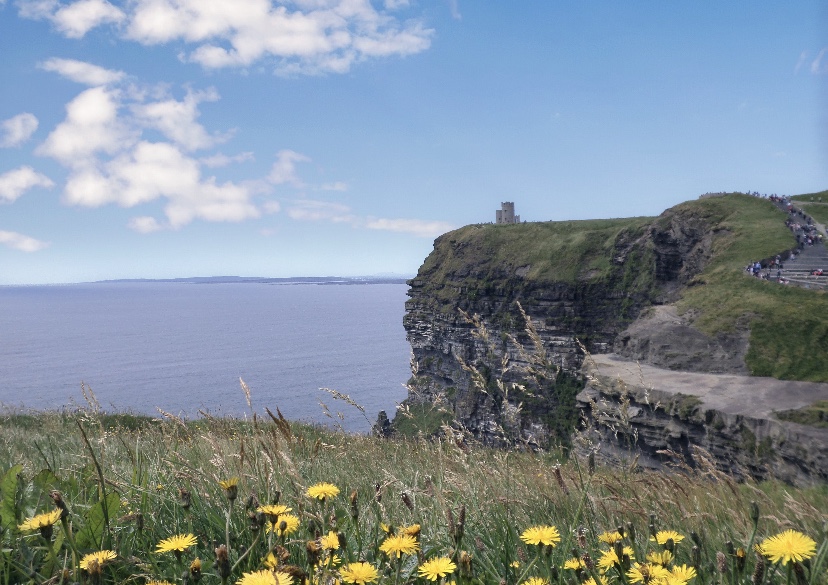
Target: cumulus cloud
[
  {"x": 222, "y": 160},
  {"x": 82, "y": 72},
  {"x": 14, "y": 183},
  {"x": 144, "y": 224},
  {"x": 310, "y": 210},
  {"x": 17, "y": 130},
  {"x": 284, "y": 169},
  {"x": 416, "y": 227},
  {"x": 22, "y": 243},
  {"x": 304, "y": 36},
  {"x": 177, "y": 120},
  {"x": 337, "y": 186}
]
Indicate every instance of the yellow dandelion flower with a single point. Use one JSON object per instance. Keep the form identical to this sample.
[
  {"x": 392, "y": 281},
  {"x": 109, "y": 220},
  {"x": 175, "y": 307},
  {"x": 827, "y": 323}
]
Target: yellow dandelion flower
[
  {"x": 100, "y": 557},
  {"x": 413, "y": 530},
  {"x": 610, "y": 537},
  {"x": 159, "y": 583},
  {"x": 270, "y": 561},
  {"x": 574, "y": 564},
  {"x": 40, "y": 521},
  {"x": 272, "y": 511},
  {"x": 540, "y": 535},
  {"x": 291, "y": 524},
  {"x": 682, "y": 573},
  {"x": 263, "y": 577},
  {"x": 179, "y": 542},
  {"x": 399, "y": 544},
  {"x": 647, "y": 573},
  {"x": 330, "y": 561},
  {"x": 601, "y": 581},
  {"x": 515, "y": 564},
  {"x": 788, "y": 546},
  {"x": 437, "y": 568},
  {"x": 329, "y": 541},
  {"x": 385, "y": 528},
  {"x": 322, "y": 491},
  {"x": 282, "y": 578},
  {"x": 663, "y": 557},
  {"x": 662, "y": 536},
  {"x": 359, "y": 573},
  {"x": 536, "y": 581},
  {"x": 228, "y": 483},
  {"x": 609, "y": 559}
]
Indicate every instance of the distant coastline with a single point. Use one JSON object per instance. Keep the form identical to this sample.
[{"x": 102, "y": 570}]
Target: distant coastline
[{"x": 265, "y": 280}]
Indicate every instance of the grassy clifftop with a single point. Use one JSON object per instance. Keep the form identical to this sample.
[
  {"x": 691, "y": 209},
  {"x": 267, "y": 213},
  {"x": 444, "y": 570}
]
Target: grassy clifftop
[{"x": 697, "y": 249}]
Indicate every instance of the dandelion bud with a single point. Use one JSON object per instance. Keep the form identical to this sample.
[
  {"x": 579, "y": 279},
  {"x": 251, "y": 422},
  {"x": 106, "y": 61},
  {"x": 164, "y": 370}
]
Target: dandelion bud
[
  {"x": 670, "y": 545},
  {"x": 313, "y": 549},
  {"x": 758, "y": 575},
  {"x": 587, "y": 561},
  {"x": 729, "y": 548},
  {"x": 342, "y": 542},
  {"x": 721, "y": 562},
  {"x": 741, "y": 559},
  {"x": 630, "y": 531},
  {"x": 59, "y": 503},
  {"x": 465, "y": 564},
  {"x": 195, "y": 570},
  {"x": 696, "y": 539},
  {"x": 277, "y": 495},
  {"x": 620, "y": 530},
  {"x": 46, "y": 531},
  {"x": 618, "y": 548},
  {"x": 185, "y": 498},
  {"x": 407, "y": 501},
  {"x": 652, "y": 529},
  {"x": 754, "y": 513},
  {"x": 354, "y": 509},
  {"x": 222, "y": 563}
]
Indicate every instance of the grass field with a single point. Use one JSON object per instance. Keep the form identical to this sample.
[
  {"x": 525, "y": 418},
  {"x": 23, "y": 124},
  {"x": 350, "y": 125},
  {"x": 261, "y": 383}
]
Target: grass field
[{"x": 130, "y": 483}]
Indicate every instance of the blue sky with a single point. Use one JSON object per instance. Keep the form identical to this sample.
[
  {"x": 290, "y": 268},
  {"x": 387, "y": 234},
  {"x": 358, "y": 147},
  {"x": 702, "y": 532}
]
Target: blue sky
[{"x": 171, "y": 138}]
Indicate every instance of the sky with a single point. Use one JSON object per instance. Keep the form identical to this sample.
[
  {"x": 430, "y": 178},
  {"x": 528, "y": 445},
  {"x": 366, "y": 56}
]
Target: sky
[{"x": 178, "y": 138}]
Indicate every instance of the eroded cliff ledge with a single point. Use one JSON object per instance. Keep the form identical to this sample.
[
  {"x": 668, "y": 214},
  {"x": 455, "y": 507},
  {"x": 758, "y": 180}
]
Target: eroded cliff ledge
[{"x": 587, "y": 287}]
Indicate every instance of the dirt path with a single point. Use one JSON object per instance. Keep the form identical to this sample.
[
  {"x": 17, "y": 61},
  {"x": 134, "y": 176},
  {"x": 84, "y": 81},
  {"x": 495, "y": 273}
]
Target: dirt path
[{"x": 745, "y": 395}]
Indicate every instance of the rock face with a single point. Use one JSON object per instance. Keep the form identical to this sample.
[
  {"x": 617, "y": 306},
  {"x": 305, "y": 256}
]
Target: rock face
[
  {"x": 500, "y": 318},
  {"x": 638, "y": 412}
]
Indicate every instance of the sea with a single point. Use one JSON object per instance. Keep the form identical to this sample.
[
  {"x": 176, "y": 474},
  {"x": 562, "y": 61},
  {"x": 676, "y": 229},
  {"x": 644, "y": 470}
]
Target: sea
[{"x": 184, "y": 348}]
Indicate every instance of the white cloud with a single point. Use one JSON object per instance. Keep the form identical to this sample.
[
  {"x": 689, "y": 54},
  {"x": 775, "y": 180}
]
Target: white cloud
[
  {"x": 144, "y": 224},
  {"x": 222, "y": 160},
  {"x": 284, "y": 169},
  {"x": 310, "y": 210},
  {"x": 14, "y": 183},
  {"x": 337, "y": 186},
  {"x": 20, "y": 242},
  {"x": 17, "y": 130},
  {"x": 303, "y": 36},
  {"x": 82, "y": 72},
  {"x": 91, "y": 126},
  {"x": 177, "y": 120},
  {"x": 272, "y": 207},
  {"x": 416, "y": 227},
  {"x": 455, "y": 10}
]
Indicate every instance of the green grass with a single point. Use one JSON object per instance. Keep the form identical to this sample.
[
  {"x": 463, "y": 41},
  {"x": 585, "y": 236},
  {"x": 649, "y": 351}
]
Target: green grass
[
  {"x": 141, "y": 472},
  {"x": 815, "y": 415}
]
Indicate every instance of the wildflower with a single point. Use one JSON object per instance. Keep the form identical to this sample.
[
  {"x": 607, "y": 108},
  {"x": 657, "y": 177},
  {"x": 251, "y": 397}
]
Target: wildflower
[
  {"x": 222, "y": 562},
  {"x": 100, "y": 558},
  {"x": 265, "y": 577},
  {"x": 601, "y": 581},
  {"x": 788, "y": 546},
  {"x": 284, "y": 525},
  {"x": 329, "y": 541},
  {"x": 610, "y": 558},
  {"x": 42, "y": 522},
  {"x": 322, "y": 491},
  {"x": 413, "y": 530},
  {"x": 536, "y": 581},
  {"x": 178, "y": 543},
  {"x": 359, "y": 573},
  {"x": 574, "y": 563},
  {"x": 195, "y": 570},
  {"x": 610, "y": 537},
  {"x": 399, "y": 544},
  {"x": 230, "y": 487},
  {"x": 541, "y": 535},
  {"x": 437, "y": 568},
  {"x": 515, "y": 564},
  {"x": 270, "y": 561},
  {"x": 662, "y": 536},
  {"x": 662, "y": 558},
  {"x": 681, "y": 574},
  {"x": 273, "y": 511},
  {"x": 646, "y": 573}
]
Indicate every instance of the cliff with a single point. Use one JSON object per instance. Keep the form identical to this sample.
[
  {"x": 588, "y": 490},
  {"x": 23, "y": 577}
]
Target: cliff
[{"x": 500, "y": 317}]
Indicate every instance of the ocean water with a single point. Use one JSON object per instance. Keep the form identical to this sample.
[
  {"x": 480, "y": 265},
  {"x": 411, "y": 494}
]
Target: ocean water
[{"x": 183, "y": 347}]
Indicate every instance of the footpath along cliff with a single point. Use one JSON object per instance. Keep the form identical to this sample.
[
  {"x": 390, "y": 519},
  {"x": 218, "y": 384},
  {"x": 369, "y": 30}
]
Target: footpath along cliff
[{"x": 501, "y": 318}]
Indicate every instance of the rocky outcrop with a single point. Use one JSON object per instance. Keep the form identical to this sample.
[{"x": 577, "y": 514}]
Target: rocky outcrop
[{"x": 641, "y": 415}]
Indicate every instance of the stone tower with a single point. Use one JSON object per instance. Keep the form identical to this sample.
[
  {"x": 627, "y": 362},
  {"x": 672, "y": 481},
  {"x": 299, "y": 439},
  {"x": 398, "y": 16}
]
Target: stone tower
[{"x": 506, "y": 213}]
